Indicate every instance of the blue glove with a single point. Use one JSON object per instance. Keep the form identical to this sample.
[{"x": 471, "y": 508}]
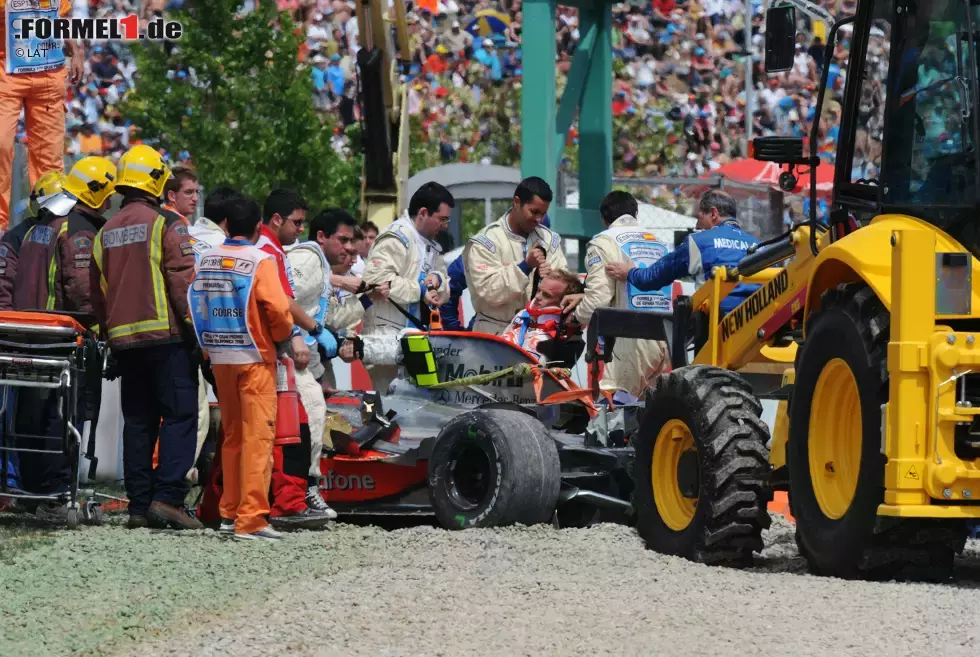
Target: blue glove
[{"x": 326, "y": 340}]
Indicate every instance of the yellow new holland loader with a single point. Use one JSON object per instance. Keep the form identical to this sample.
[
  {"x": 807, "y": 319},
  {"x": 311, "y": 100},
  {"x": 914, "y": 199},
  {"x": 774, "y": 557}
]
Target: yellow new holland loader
[{"x": 869, "y": 321}]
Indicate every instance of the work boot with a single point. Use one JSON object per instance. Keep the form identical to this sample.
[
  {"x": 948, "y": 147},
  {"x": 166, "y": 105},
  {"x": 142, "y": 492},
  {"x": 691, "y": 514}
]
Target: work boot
[
  {"x": 305, "y": 519},
  {"x": 316, "y": 502},
  {"x": 175, "y": 517},
  {"x": 137, "y": 522},
  {"x": 52, "y": 513}
]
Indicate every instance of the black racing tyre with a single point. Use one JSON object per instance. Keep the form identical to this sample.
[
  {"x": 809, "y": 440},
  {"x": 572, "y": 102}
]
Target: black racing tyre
[
  {"x": 700, "y": 468},
  {"x": 491, "y": 468},
  {"x": 836, "y": 469}
]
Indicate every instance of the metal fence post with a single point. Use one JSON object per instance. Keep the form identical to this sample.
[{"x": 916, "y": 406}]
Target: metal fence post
[{"x": 18, "y": 184}]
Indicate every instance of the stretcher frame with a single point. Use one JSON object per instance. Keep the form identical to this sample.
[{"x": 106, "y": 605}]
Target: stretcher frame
[{"x": 48, "y": 350}]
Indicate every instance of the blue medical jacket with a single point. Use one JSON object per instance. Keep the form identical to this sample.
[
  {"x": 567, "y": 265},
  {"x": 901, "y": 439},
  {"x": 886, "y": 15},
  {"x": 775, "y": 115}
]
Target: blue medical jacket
[
  {"x": 721, "y": 246},
  {"x": 457, "y": 285}
]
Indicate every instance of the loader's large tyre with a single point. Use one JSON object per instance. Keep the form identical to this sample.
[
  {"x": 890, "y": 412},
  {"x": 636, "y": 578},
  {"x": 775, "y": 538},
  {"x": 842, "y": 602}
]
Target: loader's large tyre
[
  {"x": 491, "y": 468},
  {"x": 701, "y": 460},
  {"x": 834, "y": 460}
]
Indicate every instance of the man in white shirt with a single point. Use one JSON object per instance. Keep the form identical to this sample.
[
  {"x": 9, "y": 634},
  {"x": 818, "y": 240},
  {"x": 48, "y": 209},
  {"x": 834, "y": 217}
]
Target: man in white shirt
[
  {"x": 406, "y": 256},
  {"x": 502, "y": 260}
]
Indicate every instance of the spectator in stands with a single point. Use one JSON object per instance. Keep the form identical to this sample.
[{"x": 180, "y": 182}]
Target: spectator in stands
[
  {"x": 486, "y": 54},
  {"x": 320, "y": 87},
  {"x": 456, "y": 40},
  {"x": 335, "y": 77},
  {"x": 679, "y": 82}
]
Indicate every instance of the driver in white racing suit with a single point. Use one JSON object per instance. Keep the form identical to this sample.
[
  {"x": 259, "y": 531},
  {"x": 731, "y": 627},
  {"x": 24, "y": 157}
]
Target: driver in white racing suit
[
  {"x": 541, "y": 320},
  {"x": 406, "y": 257},
  {"x": 635, "y": 363}
]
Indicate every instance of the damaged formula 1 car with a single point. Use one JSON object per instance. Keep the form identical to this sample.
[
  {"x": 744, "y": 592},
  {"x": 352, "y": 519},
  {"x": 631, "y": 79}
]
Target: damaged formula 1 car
[{"x": 479, "y": 434}]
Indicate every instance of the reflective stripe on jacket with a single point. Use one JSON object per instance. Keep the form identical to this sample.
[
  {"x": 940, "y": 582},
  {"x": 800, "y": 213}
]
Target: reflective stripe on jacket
[
  {"x": 142, "y": 265},
  {"x": 71, "y": 257}
]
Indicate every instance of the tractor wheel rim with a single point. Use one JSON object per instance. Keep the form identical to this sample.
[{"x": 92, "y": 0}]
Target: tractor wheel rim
[
  {"x": 675, "y": 509},
  {"x": 834, "y": 441}
]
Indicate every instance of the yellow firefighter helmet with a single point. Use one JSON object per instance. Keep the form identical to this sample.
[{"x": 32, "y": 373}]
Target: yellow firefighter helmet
[
  {"x": 92, "y": 180},
  {"x": 50, "y": 183},
  {"x": 143, "y": 168}
]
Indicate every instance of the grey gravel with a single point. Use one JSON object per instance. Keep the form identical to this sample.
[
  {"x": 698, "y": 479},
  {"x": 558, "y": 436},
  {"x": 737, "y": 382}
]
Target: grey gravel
[{"x": 425, "y": 591}]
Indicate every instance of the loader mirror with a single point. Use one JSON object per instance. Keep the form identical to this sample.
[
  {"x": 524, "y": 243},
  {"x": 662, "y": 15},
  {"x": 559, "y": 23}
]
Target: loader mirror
[{"x": 780, "y": 39}]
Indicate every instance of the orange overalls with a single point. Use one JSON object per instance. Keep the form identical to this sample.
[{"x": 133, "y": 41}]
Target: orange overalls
[
  {"x": 240, "y": 311},
  {"x": 42, "y": 97}
]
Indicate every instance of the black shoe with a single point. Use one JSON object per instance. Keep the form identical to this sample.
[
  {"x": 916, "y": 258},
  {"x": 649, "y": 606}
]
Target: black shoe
[
  {"x": 137, "y": 522},
  {"x": 316, "y": 502},
  {"x": 305, "y": 519}
]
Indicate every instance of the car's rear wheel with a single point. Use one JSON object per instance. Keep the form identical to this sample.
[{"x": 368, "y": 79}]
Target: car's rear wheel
[{"x": 491, "y": 468}]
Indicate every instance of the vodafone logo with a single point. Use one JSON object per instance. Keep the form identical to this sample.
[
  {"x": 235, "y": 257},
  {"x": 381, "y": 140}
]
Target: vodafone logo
[{"x": 334, "y": 481}]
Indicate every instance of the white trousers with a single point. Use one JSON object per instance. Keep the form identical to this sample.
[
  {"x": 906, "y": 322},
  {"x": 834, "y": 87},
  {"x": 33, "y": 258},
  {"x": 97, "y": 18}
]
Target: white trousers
[{"x": 311, "y": 394}]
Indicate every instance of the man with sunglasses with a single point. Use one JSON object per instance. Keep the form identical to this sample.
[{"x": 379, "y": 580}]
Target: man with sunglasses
[{"x": 296, "y": 502}]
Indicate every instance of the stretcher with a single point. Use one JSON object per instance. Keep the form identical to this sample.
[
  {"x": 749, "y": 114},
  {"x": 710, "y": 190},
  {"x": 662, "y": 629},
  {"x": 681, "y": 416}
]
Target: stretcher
[{"x": 54, "y": 353}]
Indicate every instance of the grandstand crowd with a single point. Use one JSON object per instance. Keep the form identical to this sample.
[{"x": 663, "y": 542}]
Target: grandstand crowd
[{"x": 679, "y": 90}]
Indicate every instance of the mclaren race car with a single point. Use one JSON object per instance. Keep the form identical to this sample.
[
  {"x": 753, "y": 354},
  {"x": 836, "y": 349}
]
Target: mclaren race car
[{"x": 479, "y": 433}]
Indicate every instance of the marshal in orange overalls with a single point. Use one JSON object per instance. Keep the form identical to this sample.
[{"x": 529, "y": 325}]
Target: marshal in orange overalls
[
  {"x": 32, "y": 79},
  {"x": 240, "y": 311}
]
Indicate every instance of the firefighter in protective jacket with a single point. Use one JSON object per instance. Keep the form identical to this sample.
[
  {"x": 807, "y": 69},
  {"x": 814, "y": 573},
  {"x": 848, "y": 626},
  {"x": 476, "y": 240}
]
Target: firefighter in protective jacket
[
  {"x": 33, "y": 282},
  {"x": 142, "y": 266},
  {"x": 83, "y": 203},
  {"x": 47, "y": 185},
  {"x": 39, "y": 270}
]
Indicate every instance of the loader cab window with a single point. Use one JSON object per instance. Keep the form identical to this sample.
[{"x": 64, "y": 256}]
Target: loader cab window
[
  {"x": 930, "y": 141},
  {"x": 870, "y": 127}
]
